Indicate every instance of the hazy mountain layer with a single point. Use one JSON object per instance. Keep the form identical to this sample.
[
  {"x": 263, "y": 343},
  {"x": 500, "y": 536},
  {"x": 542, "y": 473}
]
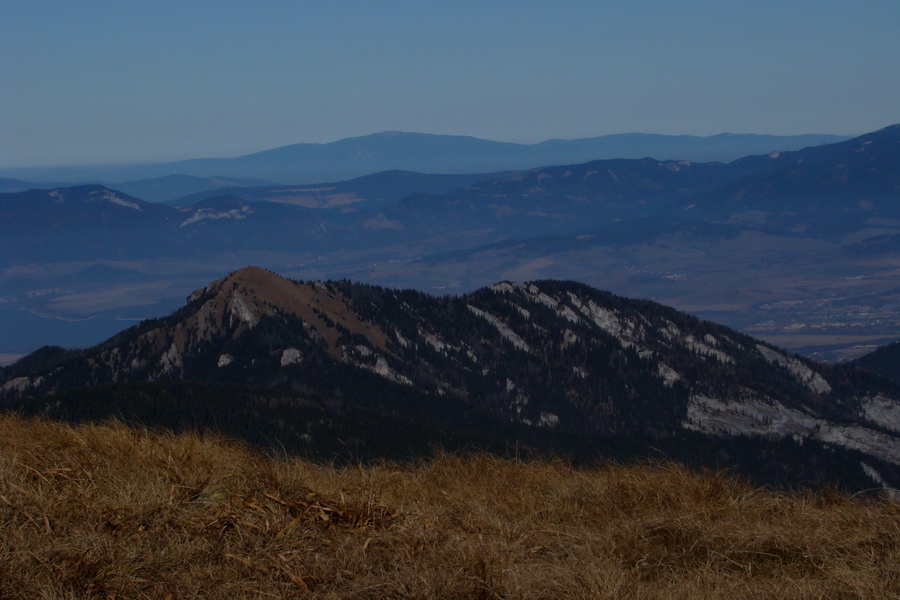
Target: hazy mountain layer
[
  {"x": 798, "y": 247},
  {"x": 353, "y": 157}
]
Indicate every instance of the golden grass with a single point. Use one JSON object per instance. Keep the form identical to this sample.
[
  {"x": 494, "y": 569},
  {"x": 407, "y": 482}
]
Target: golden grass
[{"x": 113, "y": 512}]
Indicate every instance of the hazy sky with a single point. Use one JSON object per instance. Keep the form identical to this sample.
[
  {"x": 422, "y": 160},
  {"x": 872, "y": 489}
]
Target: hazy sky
[{"x": 92, "y": 81}]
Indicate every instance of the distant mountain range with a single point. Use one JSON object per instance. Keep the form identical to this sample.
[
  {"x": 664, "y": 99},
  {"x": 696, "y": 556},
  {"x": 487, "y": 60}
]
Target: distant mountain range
[
  {"x": 445, "y": 154},
  {"x": 550, "y": 365},
  {"x": 796, "y": 246},
  {"x": 512, "y": 205}
]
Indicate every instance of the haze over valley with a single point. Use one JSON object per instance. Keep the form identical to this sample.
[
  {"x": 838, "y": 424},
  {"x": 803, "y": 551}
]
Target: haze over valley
[{"x": 796, "y": 246}]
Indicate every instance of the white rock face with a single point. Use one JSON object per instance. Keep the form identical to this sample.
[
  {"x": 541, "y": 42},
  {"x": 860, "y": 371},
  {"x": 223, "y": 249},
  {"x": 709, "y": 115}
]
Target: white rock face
[
  {"x": 668, "y": 374},
  {"x": 603, "y": 318},
  {"x": 170, "y": 360},
  {"x": 504, "y": 330},
  {"x": 704, "y": 349},
  {"x": 624, "y": 330},
  {"x": 435, "y": 342},
  {"x": 382, "y": 368},
  {"x": 879, "y": 480},
  {"x": 402, "y": 340},
  {"x": 548, "y": 420},
  {"x": 671, "y": 331},
  {"x": 225, "y": 360},
  {"x": 804, "y": 374},
  {"x": 208, "y": 213},
  {"x": 754, "y": 416},
  {"x": 567, "y": 313},
  {"x": 19, "y": 384},
  {"x": 541, "y": 297},
  {"x": 114, "y": 199},
  {"x": 291, "y": 356},
  {"x": 504, "y": 287},
  {"x": 882, "y": 410},
  {"x": 240, "y": 309},
  {"x": 569, "y": 338}
]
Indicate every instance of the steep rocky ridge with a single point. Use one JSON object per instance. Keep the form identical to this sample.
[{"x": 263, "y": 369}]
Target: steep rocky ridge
[{"x": 558, "y": 357}]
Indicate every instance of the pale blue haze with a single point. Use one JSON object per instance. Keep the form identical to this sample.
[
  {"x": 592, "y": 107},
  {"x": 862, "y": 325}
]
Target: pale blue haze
[{"x": 98, "y": 81}]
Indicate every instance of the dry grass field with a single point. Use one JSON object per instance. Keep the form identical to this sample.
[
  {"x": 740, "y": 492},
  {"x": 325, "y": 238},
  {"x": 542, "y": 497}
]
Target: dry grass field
[{"x": 110, "y": 511}]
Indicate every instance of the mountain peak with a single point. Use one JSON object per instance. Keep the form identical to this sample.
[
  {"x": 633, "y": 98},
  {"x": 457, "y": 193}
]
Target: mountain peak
[
  {"x": 248, "y": 278},
  {"x": 253, "y": 273},
  {"x": 553, "y": 356},
  {"x": 240, "y": 300},
  {"x": 256, "y": 282}
]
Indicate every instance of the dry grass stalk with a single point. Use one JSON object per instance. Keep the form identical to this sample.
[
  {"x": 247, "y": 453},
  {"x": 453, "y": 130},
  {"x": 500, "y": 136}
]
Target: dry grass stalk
[{"x": 113, "y": 512}]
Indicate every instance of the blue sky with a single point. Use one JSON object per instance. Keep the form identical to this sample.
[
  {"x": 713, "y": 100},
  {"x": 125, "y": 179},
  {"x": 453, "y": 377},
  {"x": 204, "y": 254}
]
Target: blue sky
[{"x": 98, "y": 81}]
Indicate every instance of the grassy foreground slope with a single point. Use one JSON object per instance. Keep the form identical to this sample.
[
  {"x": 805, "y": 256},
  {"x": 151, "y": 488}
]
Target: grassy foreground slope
[{"x": 108, "y": 511}]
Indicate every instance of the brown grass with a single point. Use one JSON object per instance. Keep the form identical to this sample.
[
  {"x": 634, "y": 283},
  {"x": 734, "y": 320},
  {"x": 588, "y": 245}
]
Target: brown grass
[{"x": 113, "y": 512}]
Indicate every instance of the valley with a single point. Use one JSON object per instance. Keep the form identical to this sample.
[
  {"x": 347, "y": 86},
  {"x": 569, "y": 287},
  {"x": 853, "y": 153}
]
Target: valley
[
  {"x": 809, "y": 264},
  {"x": 804, "y": 295}
]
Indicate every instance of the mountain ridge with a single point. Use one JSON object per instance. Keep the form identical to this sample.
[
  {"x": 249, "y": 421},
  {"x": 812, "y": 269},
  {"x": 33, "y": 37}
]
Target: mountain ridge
[
  {"x": 362, "y": 155},
  {"x": 547, "y": 356}
]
